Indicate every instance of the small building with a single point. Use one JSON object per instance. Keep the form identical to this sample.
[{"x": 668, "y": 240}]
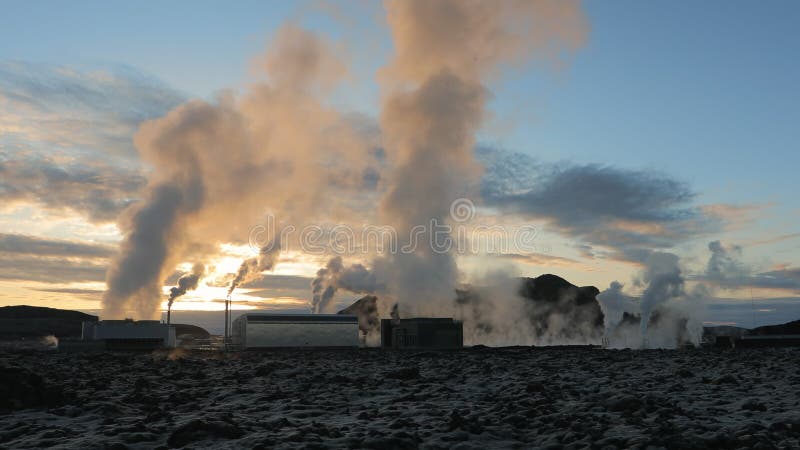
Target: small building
[
  {"x": 436, "y": 333},
  {"x": 263, "y": 330},
  {"x": 130, "y": 334}
]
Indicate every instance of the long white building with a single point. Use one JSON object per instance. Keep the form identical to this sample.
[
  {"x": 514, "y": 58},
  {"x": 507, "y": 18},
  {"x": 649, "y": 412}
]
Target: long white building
[{"x": 261, "y": 330}]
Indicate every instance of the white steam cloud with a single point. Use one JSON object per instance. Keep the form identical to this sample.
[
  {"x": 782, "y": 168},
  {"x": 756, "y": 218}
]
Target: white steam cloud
[
  {"x": 216, "y": 166},
  {"x": 665, "y": 316},
  {"x": 252, "y": 268},
  {"x": 335, "y": 275},
  {"x": 187, "y": 282},
  {"x": 435, "y": 102}
]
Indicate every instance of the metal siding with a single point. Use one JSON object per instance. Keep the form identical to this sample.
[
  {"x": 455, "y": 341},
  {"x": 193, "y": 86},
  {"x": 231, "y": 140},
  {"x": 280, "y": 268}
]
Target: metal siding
[{"x": 332, "y": 334}]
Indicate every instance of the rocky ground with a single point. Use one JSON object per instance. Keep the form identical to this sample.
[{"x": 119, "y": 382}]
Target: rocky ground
[{"x": 476, "y": 398}]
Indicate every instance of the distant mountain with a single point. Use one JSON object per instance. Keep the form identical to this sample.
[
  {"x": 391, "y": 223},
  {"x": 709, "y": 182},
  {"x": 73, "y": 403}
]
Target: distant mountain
[
  {"x": 725, "y": 330},
  {"x": 554, "y": 295},
  {"x": 185, "y": 331},
  {"x": 786, "y": 328},
  {"x": 38, "y": 312},
  {"x": 34, "y": 321}
]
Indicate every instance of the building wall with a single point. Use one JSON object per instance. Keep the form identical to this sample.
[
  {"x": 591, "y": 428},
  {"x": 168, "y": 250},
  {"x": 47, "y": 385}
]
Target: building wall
[
  {"x": 120, "y": 331},
  {"x": 422, "y": 333},
  {"x": 304, "y": 332},
  {"x": 302, "y": 335}
]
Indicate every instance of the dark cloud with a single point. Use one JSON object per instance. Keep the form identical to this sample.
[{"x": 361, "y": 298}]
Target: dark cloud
[
  {"x": 788, "y": 278},
  {"x": 50, "y": 270},
  {"x": 88, "y": 108},
  {"x": 723, "y": 265},
  {"x": 726, "y": 269},
  {"x": 274, "y": 286},
  {"x": 541, "y": 259},
  {"x": 66, "y": 134},
  {"x": 96, "y": 190},
  {"x": 31, "y": 245},
  {"x": 86, "y": 294},
  {"x": 582, "y": 195},
  {"x": 270, "y": 281},
  {"x": 31, "y": 258},
  {"x": 628, "y": 211}
]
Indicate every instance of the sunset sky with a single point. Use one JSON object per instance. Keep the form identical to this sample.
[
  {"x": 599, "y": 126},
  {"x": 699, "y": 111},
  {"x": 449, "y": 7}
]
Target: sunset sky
[{"x": 665, "y": 126}]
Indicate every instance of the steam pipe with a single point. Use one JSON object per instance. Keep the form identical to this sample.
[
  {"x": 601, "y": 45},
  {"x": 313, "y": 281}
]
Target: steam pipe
[{"x": 227, "y": 321}]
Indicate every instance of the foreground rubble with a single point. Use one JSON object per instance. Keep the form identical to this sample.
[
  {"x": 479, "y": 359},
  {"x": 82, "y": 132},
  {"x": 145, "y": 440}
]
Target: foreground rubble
[{"x": 522, "y": 397}]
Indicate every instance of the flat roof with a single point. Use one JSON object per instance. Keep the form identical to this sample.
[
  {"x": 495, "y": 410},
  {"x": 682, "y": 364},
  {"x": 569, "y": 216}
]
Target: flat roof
[
  {"x": 265, "y": 318},
  {"x": 411, "y": 320}
]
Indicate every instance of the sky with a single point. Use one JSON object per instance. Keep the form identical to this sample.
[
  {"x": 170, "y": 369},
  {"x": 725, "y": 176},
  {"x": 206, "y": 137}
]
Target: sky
[{"x": 679, "y": 116}]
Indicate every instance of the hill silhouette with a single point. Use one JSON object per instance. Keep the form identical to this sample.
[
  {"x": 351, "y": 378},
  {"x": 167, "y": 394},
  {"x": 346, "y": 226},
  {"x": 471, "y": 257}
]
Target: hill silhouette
[{"x": 35, "y": 321}]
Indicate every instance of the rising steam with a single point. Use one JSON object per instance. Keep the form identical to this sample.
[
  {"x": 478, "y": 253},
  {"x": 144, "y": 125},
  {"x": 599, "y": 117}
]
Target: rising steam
[
  {"x": 445, "y": 51},
  {"x": 187, "y": 282},
  {"x": 252, "y": 268},
  {"x": 217, "y": 165},
  {"x": 335, "y": 275},
  {"x": 666, "y": 314}
]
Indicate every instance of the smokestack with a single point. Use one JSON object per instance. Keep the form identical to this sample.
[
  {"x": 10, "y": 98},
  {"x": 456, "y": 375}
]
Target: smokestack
[
  {"x": 251, "y": 268},
  {"x": 187, "y": 282}
]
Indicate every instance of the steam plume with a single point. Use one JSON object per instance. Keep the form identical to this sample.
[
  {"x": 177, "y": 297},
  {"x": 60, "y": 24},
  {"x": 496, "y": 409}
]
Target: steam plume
[
  {"x": 666, "y": 315},
  {"x": 251, "y": 268},
  {"x": 615, "y": 304},
  {"x": 664, "y": 282},
  {"x": 217, "y": 165},
  {"x": 335, "y": 275},
  {"x": 187, "y": 282},
  {"x": 435, "y": 103}
]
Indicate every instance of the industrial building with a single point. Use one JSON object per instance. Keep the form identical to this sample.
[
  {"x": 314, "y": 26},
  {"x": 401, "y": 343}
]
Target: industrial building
[
  {"x": 436, "y": 333},
  {"x": 130, "y": 334},
  {"x": 261, "y": 330}
]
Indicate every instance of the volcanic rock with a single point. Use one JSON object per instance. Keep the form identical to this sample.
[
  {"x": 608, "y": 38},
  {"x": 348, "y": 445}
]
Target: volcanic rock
[{"x": 21, "y": 389}]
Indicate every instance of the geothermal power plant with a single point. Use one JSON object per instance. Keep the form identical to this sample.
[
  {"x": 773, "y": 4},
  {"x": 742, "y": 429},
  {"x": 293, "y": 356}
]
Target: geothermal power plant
[
  {"x": 258, "y": 331},
  {"x": 130, "y": 334}
]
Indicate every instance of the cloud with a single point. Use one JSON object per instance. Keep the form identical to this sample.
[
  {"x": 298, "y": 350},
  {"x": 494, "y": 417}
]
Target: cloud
[
  {"x": 32, "y": 245},
  {"x": 66, "y": 135},
  {"x": 32, "y": 258},
  {"x": 540, "y": 259},
  {"x": 91, "y": 109},
  {"x": 285, "y": 286},
  {"x": 96, "y": 190},
  {"x": 726, "y": 269},
  {"x": 630, "y": 212},
  {"x": 788, "y": 278},
  {"x": 50, "y": 269},
  {"x": 776, "y": 239},
  {"x": 95, "y": 293}
]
